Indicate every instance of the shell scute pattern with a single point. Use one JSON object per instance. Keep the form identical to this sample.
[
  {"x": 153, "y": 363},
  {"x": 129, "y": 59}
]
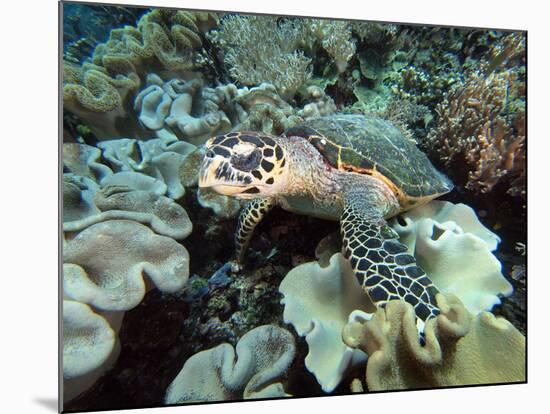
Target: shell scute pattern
[{"x": 365, "y": 144}]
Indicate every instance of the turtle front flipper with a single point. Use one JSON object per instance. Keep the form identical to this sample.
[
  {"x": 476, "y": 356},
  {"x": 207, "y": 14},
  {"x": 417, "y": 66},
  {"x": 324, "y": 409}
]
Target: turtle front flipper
[
  {"x": 381, "y": 263},
  {"x": 249, "y": 218}
]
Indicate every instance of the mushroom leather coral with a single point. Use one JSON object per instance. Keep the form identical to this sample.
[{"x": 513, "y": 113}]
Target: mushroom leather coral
[
  {"x": 262, "y": 356},
  {"x": 460, "y": 349},
  {"x": 105, "y": 263}
]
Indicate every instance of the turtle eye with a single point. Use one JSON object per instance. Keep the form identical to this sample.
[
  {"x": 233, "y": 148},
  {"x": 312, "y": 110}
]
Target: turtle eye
[{"x": 247, "y": 162}]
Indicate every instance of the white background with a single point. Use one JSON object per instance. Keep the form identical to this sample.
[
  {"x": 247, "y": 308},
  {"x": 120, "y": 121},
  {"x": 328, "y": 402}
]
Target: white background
[{"x": 29, "y": 206}]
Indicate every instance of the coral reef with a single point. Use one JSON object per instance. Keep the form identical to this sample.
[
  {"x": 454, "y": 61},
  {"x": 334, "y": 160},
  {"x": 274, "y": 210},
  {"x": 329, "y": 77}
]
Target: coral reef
[
  {"x": 104, "y": 264},
  {"x": 460, "y": 348},
  {"x": 148, "y": 271},
  {"x": 455, "y": 250},
  {"x": 187, "y": 109},
  {"x": 256, "y": 49},
  {"x": 334, "y": 36},
  {"x": 167, "y": 42},
  {"x": 477, "y": 130},
  {"x": 447, "y": 240},
  {"x": 252, "y": 370},
  {"x": 160, "y": 158},
  {"x": 85, "y": 27},
  {"x": 317, "y": 303},
  {"x": 88, "y": 339}
]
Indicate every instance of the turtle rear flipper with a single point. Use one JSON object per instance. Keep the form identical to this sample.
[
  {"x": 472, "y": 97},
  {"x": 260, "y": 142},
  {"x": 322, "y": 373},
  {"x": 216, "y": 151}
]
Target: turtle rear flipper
[{"x": 381, "y": 263}]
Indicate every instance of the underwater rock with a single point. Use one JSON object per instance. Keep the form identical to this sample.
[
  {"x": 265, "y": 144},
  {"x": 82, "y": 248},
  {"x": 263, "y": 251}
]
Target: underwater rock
[
  {"x": 220, "y": 277},
  {"x": 105, "y": 264},
  {"x": 251, "y": 370},
  {"x": 460, "y": 348},
  {"x": 196, "y": 288}
]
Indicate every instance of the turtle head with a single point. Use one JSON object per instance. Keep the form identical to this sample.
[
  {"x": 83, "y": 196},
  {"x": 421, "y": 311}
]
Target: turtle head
[{"x": 244, "y": 165}]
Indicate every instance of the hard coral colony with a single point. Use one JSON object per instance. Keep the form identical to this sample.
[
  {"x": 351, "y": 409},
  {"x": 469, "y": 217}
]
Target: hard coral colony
[{"x": 183, "y": 129}]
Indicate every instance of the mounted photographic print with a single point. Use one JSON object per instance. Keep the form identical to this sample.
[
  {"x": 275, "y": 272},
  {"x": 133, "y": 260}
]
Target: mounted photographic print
[{"x": 263, "y": 207}]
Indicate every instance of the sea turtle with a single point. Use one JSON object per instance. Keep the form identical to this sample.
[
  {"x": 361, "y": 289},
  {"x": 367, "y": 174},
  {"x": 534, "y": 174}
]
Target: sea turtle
[{"x": 358, "y": 169}]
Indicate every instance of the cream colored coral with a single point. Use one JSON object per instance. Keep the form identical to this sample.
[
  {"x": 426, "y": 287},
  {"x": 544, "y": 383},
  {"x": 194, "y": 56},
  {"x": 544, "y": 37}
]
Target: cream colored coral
[
  {"x": 105, "y": 264},
  {"x": 317, "y": 303},
  {"x": 460, "y": 349},
  {"x": 262, "y": 357},
  {"x": 88, "y": 340},
  {"x": 222, "y": 206},
  {"x": 160, "y": 158},
  {"x": 455, "y": 250},
  {"x": 448, "y": 241},
  {"x": 162, "y": 214}
]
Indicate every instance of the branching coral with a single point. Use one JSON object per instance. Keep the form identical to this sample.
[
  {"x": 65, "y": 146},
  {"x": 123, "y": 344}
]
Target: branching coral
[
  {"x": 257, "y": 49},
  {"x": 477, "y": 131},
  {"x": 460, "y": 349},
  {"x": 262, "y": 357},
  {"x": 333, "y": 35}
]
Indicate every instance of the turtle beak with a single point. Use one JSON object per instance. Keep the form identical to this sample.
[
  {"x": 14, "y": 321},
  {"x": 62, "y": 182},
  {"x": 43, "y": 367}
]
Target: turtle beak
[
  {"x": 208, "y": 172},
  {"x": 217, "y": 173}
]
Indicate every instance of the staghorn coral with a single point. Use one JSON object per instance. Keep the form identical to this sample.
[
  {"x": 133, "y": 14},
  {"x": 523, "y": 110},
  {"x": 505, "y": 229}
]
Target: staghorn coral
[
  {"x": 478, "y": 131},
  {"x": 460, "y": 348},
  {"x": 262, "y": 356},
  {"x": 100, "y": 91}
]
